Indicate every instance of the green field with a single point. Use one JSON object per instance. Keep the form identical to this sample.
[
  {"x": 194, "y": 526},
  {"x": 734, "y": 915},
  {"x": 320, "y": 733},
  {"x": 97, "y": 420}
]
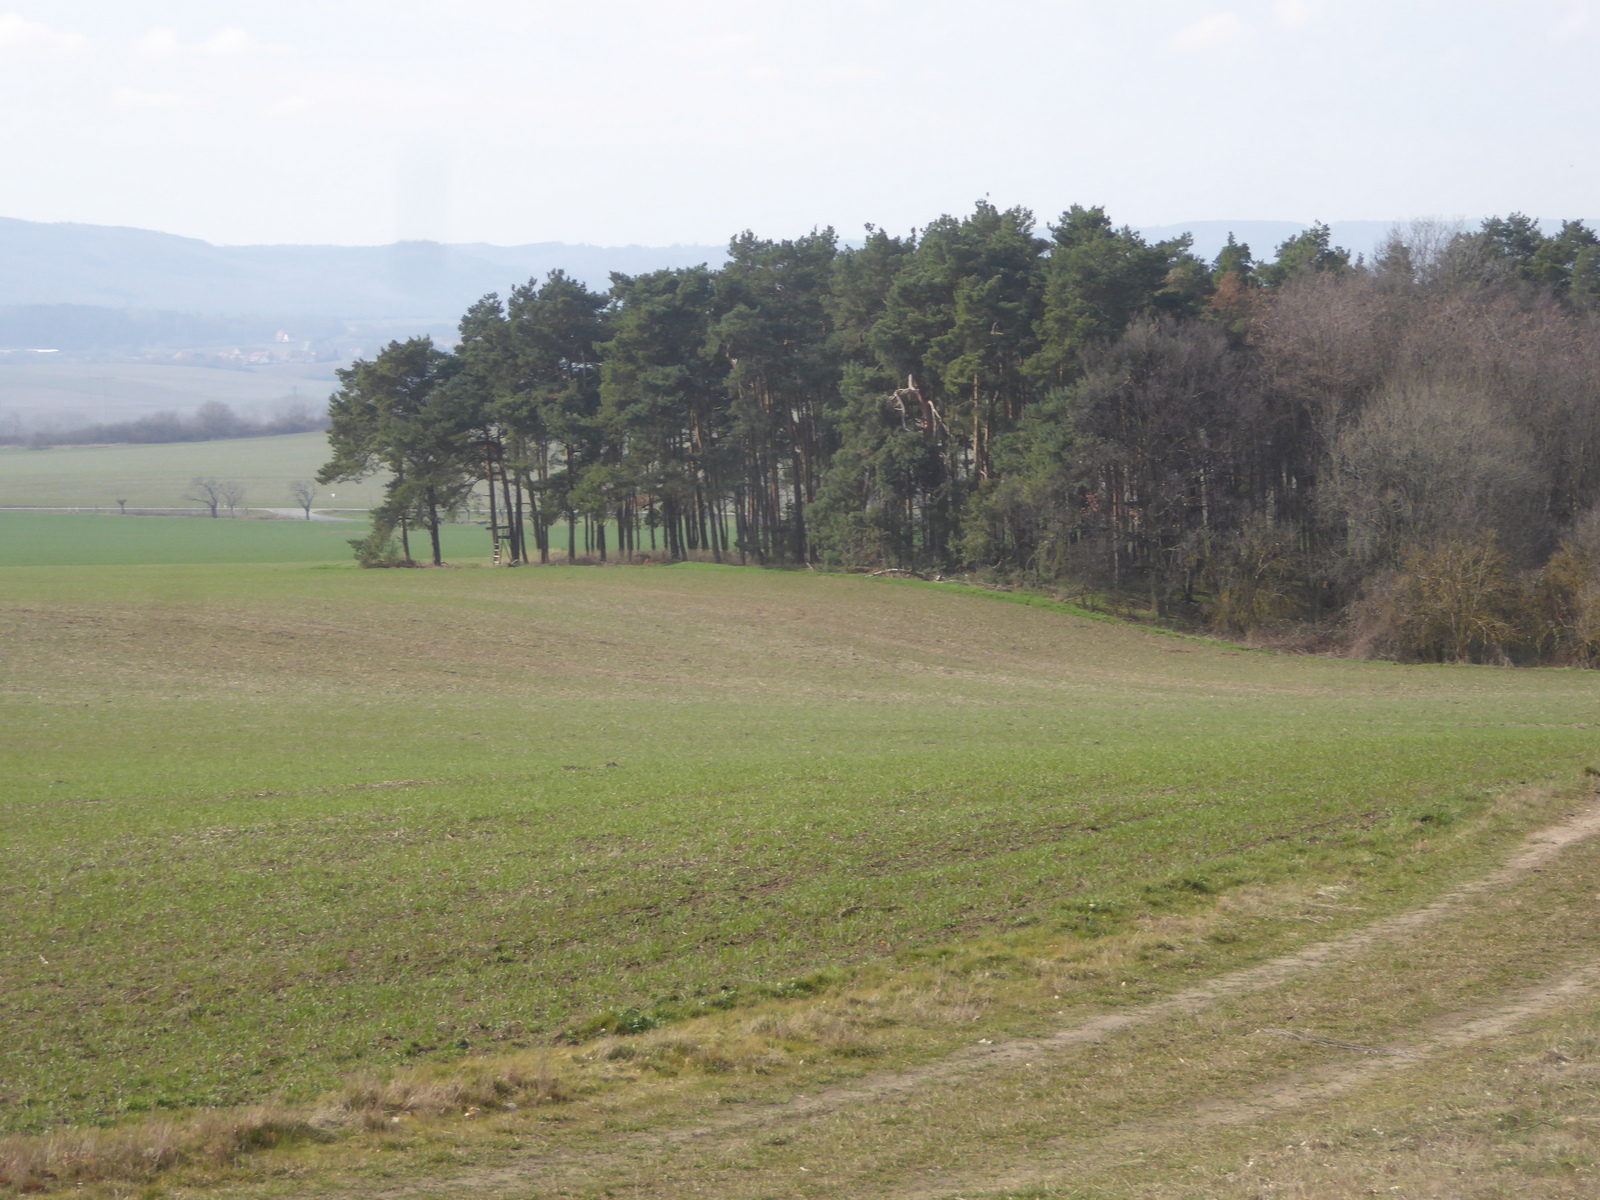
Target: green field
[
  {"x": 103, "y": 539},
  {"x": 65, "y": 540},
  {"x": 266, "y": 825},
  {"x": 157, "y": 476}
]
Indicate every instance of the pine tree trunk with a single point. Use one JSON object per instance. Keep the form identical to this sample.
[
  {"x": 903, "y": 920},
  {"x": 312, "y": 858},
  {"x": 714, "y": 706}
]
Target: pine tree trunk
[
  {"x": 802, "y": 552},
  {"x": 433, "y": 528},
  {"x": 494, "y": 517},
  {"x": 522, "y": 540},
  {"x": 505, "y": 494}
]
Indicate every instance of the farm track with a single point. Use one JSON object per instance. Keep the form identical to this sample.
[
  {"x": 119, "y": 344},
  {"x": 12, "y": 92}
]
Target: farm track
[
  {"x": 1284, "y": 1095},
  {"x": 629, "y": 1163}
]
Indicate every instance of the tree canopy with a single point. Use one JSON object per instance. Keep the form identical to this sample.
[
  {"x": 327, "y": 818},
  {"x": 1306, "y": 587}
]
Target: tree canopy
[{"x": 1075, "y": 406}]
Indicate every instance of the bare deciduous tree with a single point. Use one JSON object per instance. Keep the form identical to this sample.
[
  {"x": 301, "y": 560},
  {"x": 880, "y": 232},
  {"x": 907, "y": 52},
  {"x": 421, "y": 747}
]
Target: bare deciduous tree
[
  {"x": 232, "y": 494},
  {"x": 1257, "y": 577},
  {"x": 1326, "y": 343},
  {"x": 304, "y": 492},
  {"x": 205, "y": 491},
  {"x": 1428, "y": 462},
  {"x": 1565, "y": 600},
  {"x": 1419, "y": 254},
  {"x": 1455, "y": 602}
]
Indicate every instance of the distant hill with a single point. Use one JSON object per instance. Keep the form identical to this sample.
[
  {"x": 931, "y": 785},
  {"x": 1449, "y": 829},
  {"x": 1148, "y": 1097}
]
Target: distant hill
[
  {"x": 96, "y": 289},
  {"x": 98, "y": 329},
  {"x": 113, "y": 267},
  {"x": 101, "y": 266}
]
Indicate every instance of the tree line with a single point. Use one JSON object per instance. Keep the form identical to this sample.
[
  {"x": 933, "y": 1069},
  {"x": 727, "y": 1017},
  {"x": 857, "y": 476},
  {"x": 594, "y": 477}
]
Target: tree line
[
  {"x": 1399, "y": 455},
  {"x": 210, "y": 422}
]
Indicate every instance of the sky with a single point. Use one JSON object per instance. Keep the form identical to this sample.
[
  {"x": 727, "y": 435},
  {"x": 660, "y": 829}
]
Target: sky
[{"x": 684, "y": 121}]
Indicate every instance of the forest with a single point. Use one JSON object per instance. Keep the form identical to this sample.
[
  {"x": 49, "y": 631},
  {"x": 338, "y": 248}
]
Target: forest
[{"x": 1391, "y": 458}]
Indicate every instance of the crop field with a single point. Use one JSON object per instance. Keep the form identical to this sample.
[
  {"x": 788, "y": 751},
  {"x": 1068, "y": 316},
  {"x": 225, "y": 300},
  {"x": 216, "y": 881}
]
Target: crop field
[
  {"x": 104, "y": 539},
  {"x": 157, "y": 476},
  {"x": 279, "y": 832},
  {"x": 65, "y": 540}
]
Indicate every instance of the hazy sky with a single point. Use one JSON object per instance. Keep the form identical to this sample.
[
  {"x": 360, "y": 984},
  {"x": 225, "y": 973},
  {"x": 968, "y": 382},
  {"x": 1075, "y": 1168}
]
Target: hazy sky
[{"x": 612, "y": 121}]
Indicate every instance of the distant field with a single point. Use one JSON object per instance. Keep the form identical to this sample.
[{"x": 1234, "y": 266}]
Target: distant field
[
  {"x": 265, "y": 826},
  {"x": 63, "y": 391},
  {"x": 108, "y": 539},
  {"x": 158, "y": 476},
  {"x": 56, "y": 540}
]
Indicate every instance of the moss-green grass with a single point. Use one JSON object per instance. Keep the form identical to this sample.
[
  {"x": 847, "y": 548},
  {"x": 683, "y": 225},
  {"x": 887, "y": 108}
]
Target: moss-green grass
[{"x": 266, "y": 825}]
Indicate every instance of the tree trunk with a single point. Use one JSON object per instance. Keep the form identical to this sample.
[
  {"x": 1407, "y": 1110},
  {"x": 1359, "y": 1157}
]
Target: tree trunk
[
  {"x": 521, "y": 536},
  {"x": 505, "y": 494},
  {"x": 540, "y": 538},
  {"x": 433, "y": 528},
  {"x": 802, "y": 552},
  {"x": 494, "y": 518},
  {"x": 541, "y": 526}
]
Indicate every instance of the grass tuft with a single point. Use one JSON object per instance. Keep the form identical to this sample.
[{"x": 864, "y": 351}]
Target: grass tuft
[
  {"x": 462, "y": 1089},
  {"x": 142, "y": 1151}
]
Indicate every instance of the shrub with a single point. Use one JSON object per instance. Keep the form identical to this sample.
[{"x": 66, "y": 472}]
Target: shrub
[
  {"x": 1256, "y": 578},
  {"x": 377, "y": 549},
  {"x": 1565, "y": 604},
  {"x": 1454, "y": 602}
]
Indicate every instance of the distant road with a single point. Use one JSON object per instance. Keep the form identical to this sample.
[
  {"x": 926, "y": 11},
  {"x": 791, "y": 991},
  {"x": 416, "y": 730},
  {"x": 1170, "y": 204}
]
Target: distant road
[{"x": 299, "y": 514}]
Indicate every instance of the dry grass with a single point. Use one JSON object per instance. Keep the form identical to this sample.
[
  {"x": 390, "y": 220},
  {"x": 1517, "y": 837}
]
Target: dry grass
[
  {"x": 137, "y": 1152},
  {"x": 464, "y": 1089},
  {"x": 1521, "y": 1119},
  {"x": 142, "y": 1151}
]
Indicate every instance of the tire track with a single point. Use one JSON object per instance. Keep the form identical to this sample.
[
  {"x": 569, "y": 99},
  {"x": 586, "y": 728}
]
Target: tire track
[
  {"x": 1290, "y": 1094},
  {"x": 1298, "y": 1090},
  {"x": 1540, "y": 848}
]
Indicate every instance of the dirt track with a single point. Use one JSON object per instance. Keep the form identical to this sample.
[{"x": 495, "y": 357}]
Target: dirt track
[{"x": 627, "y": 1162}]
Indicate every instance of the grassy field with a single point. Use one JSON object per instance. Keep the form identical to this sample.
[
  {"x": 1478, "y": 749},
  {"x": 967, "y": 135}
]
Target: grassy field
[
  {"x": 269, "y": 827},
  {"x": 68, "y": 540},
  {"x": 158, "y": 476},
  {"x": 103, "y": 539}
]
